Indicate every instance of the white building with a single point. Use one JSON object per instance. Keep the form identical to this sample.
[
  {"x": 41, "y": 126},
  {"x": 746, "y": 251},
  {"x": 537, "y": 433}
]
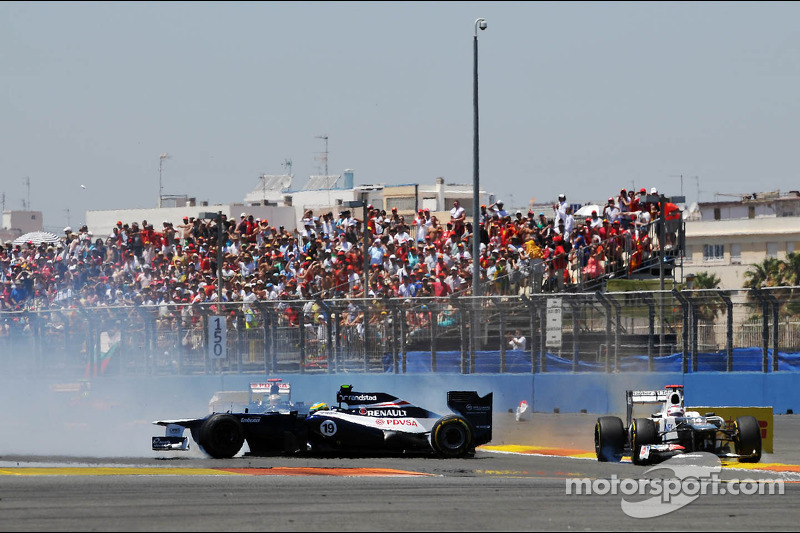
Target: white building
[
  {"x": 727, "y": 238},
  {"x": 274, "y": 197},
  {"x": 270, "y": 190},
  {"x": 324, "y": 194},
  {"x": 16, "y": 223},
  {"x": 101, "y": 223}
]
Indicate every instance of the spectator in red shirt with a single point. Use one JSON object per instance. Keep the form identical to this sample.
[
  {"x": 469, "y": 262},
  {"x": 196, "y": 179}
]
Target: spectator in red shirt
[
  {"x": 440, "y": 286},
  {"x": 637, "y": 201},
  {"x": 559, "y": 262}
]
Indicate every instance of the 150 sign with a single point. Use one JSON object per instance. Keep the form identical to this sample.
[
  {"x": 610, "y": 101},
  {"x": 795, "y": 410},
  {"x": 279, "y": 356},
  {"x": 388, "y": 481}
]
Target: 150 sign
[{"x": 217, "y": 337}]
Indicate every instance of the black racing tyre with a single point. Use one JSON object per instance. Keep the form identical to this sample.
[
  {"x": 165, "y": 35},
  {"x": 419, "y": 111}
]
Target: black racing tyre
[
  {"x": 221, "y": 436},
  {"x": 451, "y": 436},
  {"x": 747, "y": 438},
  {"x": 609, "y": 439},
  {"x": 643, "y": 432}
]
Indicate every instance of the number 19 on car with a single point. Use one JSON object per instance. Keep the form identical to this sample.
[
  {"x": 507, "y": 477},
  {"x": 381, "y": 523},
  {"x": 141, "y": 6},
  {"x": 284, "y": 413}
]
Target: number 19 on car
[{"x": 217, "y": 337}]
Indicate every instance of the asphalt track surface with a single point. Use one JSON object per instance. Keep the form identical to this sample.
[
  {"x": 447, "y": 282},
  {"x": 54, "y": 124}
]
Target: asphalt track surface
[{"x": 517, "y": 483}]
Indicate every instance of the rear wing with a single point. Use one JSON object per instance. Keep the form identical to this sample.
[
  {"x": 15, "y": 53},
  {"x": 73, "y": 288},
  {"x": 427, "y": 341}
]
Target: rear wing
[
  {"x": 651, "y": 396},
  {"x": 476, "y": 409},
  {"x": 272, "y": 386}
]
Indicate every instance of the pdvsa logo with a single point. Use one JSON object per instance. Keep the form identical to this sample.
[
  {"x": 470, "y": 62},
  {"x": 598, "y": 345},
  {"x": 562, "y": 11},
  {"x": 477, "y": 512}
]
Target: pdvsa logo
[{"x": 408, "y": 422}]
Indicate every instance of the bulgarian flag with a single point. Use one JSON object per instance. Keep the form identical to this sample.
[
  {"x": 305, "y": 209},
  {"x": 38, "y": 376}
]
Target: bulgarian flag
[{"x": 109, "y": 343}]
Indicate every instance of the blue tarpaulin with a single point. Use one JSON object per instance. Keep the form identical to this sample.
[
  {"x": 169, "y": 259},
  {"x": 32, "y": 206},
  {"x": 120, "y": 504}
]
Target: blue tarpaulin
[{"x": 519, "y": 362}]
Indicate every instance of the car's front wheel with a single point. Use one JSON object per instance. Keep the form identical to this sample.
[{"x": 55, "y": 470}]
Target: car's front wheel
[
  {"x": 643, "y": 432},
  {"x": 221, "y": 436},
  {"x": 747, "y": 439},
  {"x": 609, "y": 439}
]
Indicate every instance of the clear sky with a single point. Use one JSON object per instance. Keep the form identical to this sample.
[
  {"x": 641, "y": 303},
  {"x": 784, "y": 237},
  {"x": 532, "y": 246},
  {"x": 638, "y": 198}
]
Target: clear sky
[{"x": 582, "y": 98}]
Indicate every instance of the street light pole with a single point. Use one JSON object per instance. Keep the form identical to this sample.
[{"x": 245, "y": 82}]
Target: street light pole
[
  {"x": 366, "y": 237},
  {"x": 476, "y": 207},
  {"x": 210, "y": 215},
  {"x": 219, "y": 261}
]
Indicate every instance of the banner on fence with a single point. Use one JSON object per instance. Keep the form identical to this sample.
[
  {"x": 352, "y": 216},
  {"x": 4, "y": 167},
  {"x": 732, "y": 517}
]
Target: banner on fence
[{"x": 554, "y": 322}]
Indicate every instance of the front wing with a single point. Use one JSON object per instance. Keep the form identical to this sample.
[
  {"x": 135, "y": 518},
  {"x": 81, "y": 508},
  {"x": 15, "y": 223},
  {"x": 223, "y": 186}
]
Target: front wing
[{"x": 173, "y": 438}]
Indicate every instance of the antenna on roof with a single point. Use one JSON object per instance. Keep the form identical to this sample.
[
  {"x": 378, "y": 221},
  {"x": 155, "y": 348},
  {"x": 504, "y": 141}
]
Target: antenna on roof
[
  {"x": 324, "y": 159},
  {"x": 698, "y": 188},
  {"x": 263, "y": 179},
  {"x": 324, "y": 156},
  {"x": 161, "y": 158},
  {"x": 28, "y": 183},
  {"x": 287, "y": 164},
  {"x": 739, "y": 195}
]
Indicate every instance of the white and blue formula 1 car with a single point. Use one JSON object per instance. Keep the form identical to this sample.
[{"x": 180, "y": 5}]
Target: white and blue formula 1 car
[
  {"x": 363, "y": 423},
  {"x": 673, "y": 431}
]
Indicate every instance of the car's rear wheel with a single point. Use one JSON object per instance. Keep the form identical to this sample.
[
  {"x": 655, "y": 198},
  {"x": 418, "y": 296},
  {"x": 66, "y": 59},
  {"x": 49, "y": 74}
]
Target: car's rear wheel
[
  {"x": 451, "y": 436},
  {"x": 643, "y": 432},
  {"x": 221, "y": 436},
  {"x": 609, "y": 439},
  {"x": 747, "y": 439}
]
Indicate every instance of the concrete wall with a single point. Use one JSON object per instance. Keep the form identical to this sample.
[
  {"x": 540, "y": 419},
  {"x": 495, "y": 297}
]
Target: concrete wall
[
  {"x": 605, "y": 393},
  {"x": 596, "y": 393}
]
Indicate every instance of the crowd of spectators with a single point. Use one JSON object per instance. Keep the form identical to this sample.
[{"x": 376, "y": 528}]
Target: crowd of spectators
[{"x": 424, "y": 256}]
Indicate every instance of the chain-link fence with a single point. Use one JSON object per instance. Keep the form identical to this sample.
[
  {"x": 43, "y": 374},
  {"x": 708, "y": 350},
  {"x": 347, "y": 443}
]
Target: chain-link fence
[{"x": 684, "y": 331}]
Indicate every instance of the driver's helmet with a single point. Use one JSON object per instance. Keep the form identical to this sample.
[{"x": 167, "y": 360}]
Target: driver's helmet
[
  {"x": 320, "y": 406},
  {"x": 675, "y": 410}
]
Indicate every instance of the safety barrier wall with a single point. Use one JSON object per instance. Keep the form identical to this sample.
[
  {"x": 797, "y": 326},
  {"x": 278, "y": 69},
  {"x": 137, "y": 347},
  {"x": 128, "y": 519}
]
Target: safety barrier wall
[
  {"x": 605, "y": 393},
  {"x": 569, "y": 393},
  {"x": 594, "y": 393},
  {"x": 167, "y": 397}
]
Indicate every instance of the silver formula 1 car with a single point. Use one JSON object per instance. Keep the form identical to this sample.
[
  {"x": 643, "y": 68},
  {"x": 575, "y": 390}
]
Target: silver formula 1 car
[
  {"x": 273, "y": 394},
  {"x": 363, "y": 423},
  {"x": 673, "y": 431}
]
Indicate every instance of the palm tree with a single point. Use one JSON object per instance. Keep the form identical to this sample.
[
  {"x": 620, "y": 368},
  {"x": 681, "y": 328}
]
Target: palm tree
[
  {"x": 768, "y": 273},
  {"x": 773, "y": 272},
  {"x": 792, "y": 274},
  {"x": 793, "y": 267},
  {"x": 704, "y": 280},
  {"x": 707, "y": 307}
]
